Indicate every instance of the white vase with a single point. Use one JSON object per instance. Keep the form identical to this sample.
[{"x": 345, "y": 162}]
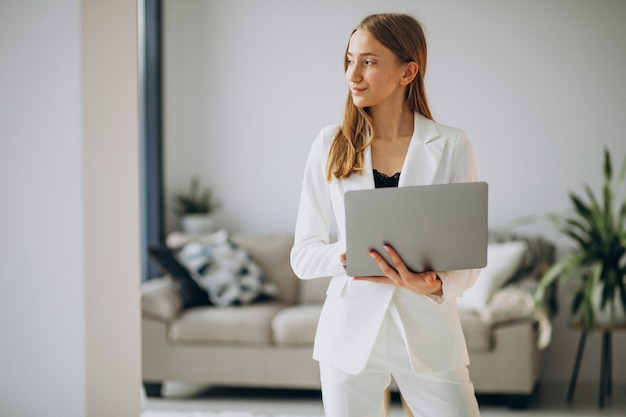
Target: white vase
[
  {"x": 198, "y": 223},
  {"x": 603, "y": 317}
]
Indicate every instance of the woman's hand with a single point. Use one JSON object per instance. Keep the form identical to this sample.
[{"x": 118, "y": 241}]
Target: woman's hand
[{"x": 400, "y": 276}]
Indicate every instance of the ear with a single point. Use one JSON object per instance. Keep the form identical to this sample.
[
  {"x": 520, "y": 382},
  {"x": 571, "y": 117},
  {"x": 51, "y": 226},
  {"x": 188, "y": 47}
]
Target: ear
[{"x": 410, "y": 72}]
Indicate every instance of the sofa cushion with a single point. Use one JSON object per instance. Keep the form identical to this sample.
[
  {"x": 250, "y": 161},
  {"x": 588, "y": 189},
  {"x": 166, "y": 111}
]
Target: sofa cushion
[
  {"x": 514, "y": 301},
  {"x": 190, "y": 292},
  {"x": 160, "y": 299},
  {"x": 503, "y": 261},
  {"x": 539, "y": 254},
  {"x": 271, "y": 253},
  {"x": 234, "y": 324},
  {"x": 296, "y": 325}
]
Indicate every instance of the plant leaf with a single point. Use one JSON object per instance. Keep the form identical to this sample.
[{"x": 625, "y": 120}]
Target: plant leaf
[
  {"x": 621, "y": 287},
  {"x": 581, "y": 208},
  {"x": 607, "y": 190},
  {"x": 621, "y": 217},
  {"x": 577, "y": 301},
  {"x": 590, "y": 282},
  {"x": 562, "y": 269},
  {"x": 607, "y": 169}
]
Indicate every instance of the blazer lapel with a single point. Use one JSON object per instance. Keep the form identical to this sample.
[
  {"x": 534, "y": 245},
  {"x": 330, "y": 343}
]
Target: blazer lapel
[{"x": 423, "y": 156}]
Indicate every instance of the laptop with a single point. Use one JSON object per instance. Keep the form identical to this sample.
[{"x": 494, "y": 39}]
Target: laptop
[{"x": 433, "y": 227}]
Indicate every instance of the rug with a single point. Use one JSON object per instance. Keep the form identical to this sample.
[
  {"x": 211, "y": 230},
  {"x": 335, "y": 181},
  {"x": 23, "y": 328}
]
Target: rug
[{"x": 155, "y": 413}]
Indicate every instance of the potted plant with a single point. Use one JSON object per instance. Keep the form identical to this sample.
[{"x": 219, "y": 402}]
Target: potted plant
[
  {"x": 596, "y": 226},
  {"x": 196, "y": 208}
]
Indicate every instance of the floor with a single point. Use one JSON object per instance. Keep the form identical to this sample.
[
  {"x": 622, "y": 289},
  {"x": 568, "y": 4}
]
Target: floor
[{"x": 548, "y": 401}]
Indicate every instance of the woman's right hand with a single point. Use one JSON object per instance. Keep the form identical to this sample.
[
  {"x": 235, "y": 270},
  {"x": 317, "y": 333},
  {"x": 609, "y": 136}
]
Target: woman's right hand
[{"x": 399, "y": 275}]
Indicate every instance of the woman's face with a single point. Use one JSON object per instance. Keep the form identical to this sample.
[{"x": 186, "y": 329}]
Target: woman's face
[{"x": 374, "y": 73}]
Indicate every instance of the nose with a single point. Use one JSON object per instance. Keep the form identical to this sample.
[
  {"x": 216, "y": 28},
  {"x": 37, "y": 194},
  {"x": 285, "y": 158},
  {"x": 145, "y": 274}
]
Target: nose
[{"x": 353, "y": 74}]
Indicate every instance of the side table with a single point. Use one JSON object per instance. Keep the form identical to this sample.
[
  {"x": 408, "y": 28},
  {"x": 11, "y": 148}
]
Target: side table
[{"x": 606, "y": 379}]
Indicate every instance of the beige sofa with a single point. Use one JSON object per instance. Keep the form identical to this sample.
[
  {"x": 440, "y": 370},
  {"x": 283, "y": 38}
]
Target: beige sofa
[{"x": 269, "y": 344}]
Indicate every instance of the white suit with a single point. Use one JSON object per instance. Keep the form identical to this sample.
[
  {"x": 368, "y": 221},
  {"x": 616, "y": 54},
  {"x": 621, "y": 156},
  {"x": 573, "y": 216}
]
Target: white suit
[{"x": 354, "y": 310}]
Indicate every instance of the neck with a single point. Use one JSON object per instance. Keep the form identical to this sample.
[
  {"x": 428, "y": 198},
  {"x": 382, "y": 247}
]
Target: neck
[{"x": 392, "y": 124}]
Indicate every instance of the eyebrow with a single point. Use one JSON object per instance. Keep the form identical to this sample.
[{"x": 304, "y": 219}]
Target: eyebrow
[{"x": 364, "y": 54}]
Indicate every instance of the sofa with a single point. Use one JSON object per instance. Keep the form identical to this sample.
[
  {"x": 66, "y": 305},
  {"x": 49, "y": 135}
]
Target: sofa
[{"x": 268, "y": 343}]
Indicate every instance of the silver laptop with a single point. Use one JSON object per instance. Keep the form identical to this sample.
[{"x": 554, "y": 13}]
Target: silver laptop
[{"x": 432, "y": 227}]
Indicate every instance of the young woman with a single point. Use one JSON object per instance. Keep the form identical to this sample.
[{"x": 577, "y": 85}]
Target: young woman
[{"x": 401, "y": 324}]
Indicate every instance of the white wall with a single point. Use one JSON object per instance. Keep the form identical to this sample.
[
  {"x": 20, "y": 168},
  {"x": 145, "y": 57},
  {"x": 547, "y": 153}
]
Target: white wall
[
  {"x": 41, "y": 268},
  {"x": 52, "y": 252},
  {"x": 538, "y": 85}
]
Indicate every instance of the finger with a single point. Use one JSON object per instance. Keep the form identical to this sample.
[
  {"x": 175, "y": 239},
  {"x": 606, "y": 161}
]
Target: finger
[
  {"x": 377, "y": 279},
  {"x": 397, "y": 261},
  {"x": 384, "y": 266},
  {"x": 382, "y": 263}
]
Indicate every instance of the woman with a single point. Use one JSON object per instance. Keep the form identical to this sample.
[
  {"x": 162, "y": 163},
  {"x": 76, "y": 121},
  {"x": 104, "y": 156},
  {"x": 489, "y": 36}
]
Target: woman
[{"x": 401, "y": 324}]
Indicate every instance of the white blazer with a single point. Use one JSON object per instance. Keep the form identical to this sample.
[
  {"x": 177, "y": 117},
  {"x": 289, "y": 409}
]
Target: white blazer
[{"x": 354, "y": 310}]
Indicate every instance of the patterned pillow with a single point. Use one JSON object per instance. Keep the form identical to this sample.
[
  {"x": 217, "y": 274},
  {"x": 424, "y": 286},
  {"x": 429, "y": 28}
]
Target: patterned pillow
[
  {"x": 189, "y": 291},
  {"x": 225, "y": 271}
]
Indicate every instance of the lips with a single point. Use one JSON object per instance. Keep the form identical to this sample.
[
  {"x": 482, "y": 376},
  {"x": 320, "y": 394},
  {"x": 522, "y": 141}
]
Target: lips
[{"x": 357, "y": 90}]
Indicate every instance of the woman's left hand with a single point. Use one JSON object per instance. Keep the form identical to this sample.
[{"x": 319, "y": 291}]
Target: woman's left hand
[{"x": 400, "y": 276}]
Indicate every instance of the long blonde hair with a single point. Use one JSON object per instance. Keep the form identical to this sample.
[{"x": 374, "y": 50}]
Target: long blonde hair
[{"x": 404, "y": 36}]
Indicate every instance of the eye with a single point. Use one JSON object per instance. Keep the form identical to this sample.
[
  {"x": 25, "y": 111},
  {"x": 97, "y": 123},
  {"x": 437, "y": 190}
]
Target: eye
[{"x": 369, "y": 62}]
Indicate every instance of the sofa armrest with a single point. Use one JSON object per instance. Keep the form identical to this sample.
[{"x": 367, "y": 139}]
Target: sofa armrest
[
  {"x": 509, "y": 303},
  {"x": 160, "y": 299},
  {"x": 515, "y": 302}
]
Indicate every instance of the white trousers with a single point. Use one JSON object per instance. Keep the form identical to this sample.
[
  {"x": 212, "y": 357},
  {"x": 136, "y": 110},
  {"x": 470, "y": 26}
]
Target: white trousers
[{"x": 439, "y": 394}]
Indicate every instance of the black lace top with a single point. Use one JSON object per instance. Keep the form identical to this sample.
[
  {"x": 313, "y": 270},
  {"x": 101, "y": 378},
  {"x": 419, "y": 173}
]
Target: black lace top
[{"x": 381, "y": 180}]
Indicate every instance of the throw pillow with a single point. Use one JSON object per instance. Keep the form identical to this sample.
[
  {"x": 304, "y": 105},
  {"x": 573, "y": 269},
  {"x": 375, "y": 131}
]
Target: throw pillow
[
  {"x": 503, "y": 261},
  {"x": 225, "y": 271},
  {"x": 509, "y": 303},
  {"x": 188, "y": 289}
]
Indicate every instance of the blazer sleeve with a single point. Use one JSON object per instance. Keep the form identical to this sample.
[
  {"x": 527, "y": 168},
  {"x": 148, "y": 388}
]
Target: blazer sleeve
[
  {"x": 313, "y": 255},
  {"x": 454, "y": 283}
]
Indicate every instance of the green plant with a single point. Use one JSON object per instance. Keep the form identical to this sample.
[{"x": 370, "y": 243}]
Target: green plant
[
  {"x": 195, "y": 201},
  {"x": 597, "y": 228}
]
